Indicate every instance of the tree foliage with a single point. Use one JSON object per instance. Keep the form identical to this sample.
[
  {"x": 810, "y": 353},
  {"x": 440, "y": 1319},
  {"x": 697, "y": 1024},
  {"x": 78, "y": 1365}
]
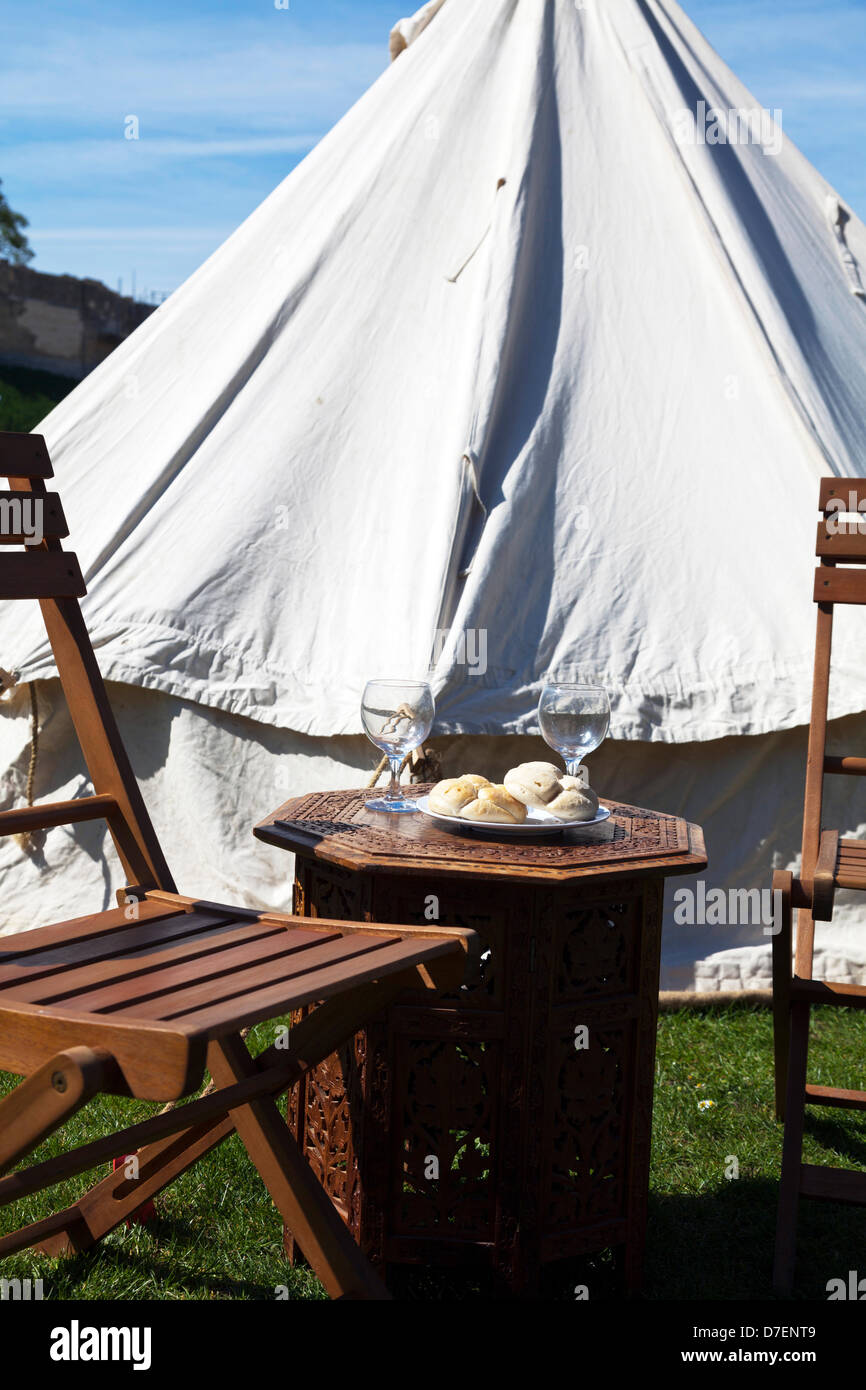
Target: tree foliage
[{"x": 14, "y": 245}]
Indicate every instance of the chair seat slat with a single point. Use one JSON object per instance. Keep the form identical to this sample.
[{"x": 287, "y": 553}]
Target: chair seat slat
[
  {"x": 68, "y": 936},
  {"x": 181, "y": 991},
  {"x": 151, "y": 931},
  {"x": 215, "y": 964},
  {"x": 225, "y": 1017},
  {"x": 851, "y": 878},
  {"x": 136, "y": 961}
]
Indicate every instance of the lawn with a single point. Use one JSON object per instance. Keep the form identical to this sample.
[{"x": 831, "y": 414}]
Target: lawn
[
  {"x": 710, "y": 1234},
  {"x": 27, "y": 396}
]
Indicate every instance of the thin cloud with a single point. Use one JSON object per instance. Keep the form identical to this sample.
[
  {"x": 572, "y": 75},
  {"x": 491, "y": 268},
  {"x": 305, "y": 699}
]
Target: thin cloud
[
  {"x": 172, "y": 235},
  {"x": 71, "y": 158}
]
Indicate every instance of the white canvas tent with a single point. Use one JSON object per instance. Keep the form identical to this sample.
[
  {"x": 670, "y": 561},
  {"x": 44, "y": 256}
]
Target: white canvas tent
[{"x": 522, "y": 350}]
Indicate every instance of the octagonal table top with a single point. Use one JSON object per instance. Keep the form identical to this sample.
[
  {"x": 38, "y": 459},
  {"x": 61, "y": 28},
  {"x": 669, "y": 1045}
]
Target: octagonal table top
[{"x": 336, "y": 827}]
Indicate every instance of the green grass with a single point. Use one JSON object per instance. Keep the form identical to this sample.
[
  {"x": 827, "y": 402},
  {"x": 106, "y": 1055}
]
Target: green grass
[
  {"x": 218, "y": 1237},
  {"x": 711, "y": 1236},
  {"x": 26, "y": 396}
]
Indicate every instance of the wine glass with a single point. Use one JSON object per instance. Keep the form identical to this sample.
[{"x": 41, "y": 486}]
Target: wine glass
[
  {"x": 573, "y": 719},
  {"x": 397, "y": 717}
]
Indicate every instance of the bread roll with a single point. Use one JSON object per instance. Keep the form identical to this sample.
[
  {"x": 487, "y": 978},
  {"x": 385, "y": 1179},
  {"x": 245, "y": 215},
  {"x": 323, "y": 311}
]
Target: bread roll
[
  {"x": 574, "y": 803},
  {"x": 496, "y": 805},
  {"x": 449, "y": 797},
  {"x": 535, "y": 784}
]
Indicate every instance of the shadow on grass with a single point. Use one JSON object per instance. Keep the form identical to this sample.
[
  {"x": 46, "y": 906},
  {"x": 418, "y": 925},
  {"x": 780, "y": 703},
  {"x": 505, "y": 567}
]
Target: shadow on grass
[
  {"x": 121, "y": 1268},
  {"x": 837, "y": 1137},
  {"x": 719, "y": 1244},
  {"x": 171, "y": 1258},
  {"x": 713, "y": 1245}
]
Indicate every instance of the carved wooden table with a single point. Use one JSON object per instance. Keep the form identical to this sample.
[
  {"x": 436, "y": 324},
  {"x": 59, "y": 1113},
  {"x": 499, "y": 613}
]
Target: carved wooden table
[{"x": 508, "y": 1126}]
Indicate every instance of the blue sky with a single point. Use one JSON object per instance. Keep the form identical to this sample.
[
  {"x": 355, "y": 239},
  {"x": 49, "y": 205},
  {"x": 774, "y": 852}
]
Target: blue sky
[{"x": 230, "y": 94}]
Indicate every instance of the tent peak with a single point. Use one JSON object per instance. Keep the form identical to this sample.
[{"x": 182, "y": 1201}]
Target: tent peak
[{"x": 406, "y": 31}]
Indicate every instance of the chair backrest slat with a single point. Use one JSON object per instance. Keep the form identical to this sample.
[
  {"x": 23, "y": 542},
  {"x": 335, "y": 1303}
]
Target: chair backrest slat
[
  {"x": 842, "y": 494},
  {"x": 46, "y": 572},
  {"x": 841, "y": 542},
  {"x": 839, "y": 586},
  {"x": 24, "y": 456},
  {"x": 40, "y": 573},
  {"x": 28, "y": 518}
]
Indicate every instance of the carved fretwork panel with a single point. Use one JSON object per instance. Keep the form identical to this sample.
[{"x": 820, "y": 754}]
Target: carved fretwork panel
[
  {"x": 328, "y": 1135},
  {"x": 597, "y": 949},
  {"x": 331, "y": 1095},
  {"x": 447, "y": 1107},
  {"x": 329, "y": 891},
  {"x": 587, "y": 1146},
  {"x": 488, "y": 909}
]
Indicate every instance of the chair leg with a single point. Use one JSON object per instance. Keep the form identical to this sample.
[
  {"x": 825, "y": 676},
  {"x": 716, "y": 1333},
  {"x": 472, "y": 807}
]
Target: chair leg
[
  {"x": 299, "y": 1197},
  {"x": 45, "y": 1100},
  {"x": 792, "y": 1151},
  {"x": 782, "y": 884},
  {"x": 112, "y": 1200}
]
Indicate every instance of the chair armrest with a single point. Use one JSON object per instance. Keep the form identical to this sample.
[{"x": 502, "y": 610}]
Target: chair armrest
[{"x": 824, "y": 879}]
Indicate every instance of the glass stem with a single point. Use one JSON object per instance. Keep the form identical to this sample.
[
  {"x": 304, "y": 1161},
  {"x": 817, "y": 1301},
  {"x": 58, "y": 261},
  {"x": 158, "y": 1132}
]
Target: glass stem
[
  {"x": 573, "y": 766},
  {"x": 393, "y": 792}
]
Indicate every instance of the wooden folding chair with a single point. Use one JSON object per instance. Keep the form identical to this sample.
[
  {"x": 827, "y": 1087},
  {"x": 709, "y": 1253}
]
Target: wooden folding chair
[
  {"x": 139, "y": 1000},
  {"x": 827, "y": 863}
]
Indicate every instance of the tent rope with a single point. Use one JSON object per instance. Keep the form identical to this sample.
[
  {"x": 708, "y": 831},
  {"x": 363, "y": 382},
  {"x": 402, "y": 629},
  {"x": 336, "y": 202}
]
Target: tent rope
[
  {"x": 34, "y": 741},
  {"x": 8, "y": 681},
  {"x": 426, "y": 766},
  {"x": 426, "y": 762}
]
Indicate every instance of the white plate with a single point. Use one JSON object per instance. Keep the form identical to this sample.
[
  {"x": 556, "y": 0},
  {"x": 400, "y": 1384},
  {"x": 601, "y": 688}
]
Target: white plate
[{"x": 537, "y": 822}]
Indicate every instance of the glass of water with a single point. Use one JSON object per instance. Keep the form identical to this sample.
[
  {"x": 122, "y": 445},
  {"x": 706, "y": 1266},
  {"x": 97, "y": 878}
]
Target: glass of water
[
  {"x": 573, "y": 719},
  {"x": 397, "y": 717}
]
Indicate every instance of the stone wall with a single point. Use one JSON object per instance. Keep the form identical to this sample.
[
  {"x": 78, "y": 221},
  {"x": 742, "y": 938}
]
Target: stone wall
[{"x": 56, "y": 323}]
